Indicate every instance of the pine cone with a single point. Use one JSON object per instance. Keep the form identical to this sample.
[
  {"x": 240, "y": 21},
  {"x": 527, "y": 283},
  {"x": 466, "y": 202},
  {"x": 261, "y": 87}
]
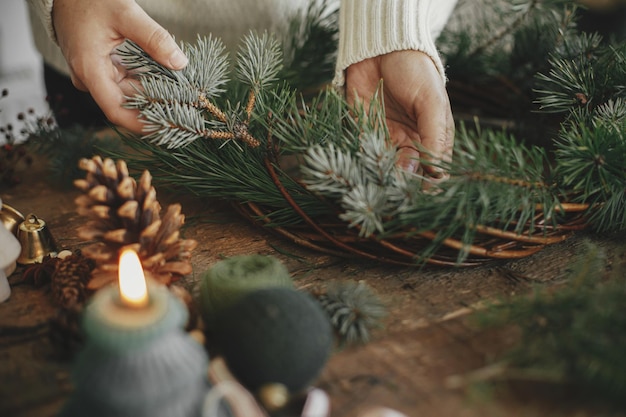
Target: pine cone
[
  {"x": 68, "y": 282},
  {"x": 66, "y": 334},
  {"x": 126, "y": 214}
]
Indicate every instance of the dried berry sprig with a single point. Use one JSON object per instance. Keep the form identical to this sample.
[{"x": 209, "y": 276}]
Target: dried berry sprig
[{"x": 13, "y": 154}]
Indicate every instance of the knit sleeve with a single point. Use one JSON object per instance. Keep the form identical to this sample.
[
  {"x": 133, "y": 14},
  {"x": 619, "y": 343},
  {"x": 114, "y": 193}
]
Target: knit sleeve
[
  {"x": 369, "y": 28},
  {"x": 43, "y": 10}
]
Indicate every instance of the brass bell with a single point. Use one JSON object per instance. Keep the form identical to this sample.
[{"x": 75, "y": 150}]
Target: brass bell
[
  {"x": 36, "y": 240},
  {"x": 10, "y": 217}
]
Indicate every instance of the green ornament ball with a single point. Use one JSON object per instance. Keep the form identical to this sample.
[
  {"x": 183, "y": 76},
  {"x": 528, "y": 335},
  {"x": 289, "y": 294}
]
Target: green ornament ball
[
  {"x": 275, "y": 335},
  {"x": 230, "y": 279}
]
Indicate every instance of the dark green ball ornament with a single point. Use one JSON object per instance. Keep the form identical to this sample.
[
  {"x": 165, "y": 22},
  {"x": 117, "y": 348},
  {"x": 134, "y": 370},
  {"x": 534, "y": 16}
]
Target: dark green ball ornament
[
  {"x": 230, "y": 279},
  {"x": 275, "y": 335}
]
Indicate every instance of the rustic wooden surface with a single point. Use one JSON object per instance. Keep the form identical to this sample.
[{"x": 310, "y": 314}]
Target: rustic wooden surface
[{"x": 427, "y": 337}]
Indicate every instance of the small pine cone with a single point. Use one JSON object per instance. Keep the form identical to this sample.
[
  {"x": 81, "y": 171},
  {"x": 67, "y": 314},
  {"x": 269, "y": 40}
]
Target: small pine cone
[
  {"x": 69, "y": 279},
  {"x": 353, "y": 309},
  {"x": 124, "y": 214},
  {"x": 65, "y": 332}
]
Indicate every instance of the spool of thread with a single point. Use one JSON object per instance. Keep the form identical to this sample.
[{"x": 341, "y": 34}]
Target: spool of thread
[
  {"x": 275, "y": 336},
  {"x": 231, "y": 279}
]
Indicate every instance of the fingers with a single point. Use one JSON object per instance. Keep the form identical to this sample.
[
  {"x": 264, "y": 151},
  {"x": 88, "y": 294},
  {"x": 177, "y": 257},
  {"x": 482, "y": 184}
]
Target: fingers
[
  {"x": 435, "y": 126},
  {"x": 417, "y": 108},
  {"x": 408, "y": 158},
  {"x": 362, "y": 82},
  {"x": 88, "y": 32},
  {"x": 106, "y": 84},
  {"x": 137, "y": 26}
]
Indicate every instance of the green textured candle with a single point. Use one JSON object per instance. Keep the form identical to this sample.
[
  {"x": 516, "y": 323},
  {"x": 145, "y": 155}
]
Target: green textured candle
[{"x": 230, "y": 279}]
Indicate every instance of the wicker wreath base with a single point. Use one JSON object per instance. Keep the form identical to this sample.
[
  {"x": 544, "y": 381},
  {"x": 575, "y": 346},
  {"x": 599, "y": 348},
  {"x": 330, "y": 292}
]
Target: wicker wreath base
[{"x": 333, "y": 237}]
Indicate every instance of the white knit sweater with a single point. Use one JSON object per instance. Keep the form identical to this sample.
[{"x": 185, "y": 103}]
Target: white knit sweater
[{"x": 367, "y": 28}]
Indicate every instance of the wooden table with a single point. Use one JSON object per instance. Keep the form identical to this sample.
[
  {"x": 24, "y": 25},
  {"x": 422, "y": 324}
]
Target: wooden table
[{"x": 427, "y": 336}]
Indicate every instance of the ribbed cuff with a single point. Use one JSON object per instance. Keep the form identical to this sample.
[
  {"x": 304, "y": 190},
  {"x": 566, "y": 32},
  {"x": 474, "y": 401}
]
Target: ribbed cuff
[
  {"x": 370, "y": 28},
  {"x": 43, "y": 9}
]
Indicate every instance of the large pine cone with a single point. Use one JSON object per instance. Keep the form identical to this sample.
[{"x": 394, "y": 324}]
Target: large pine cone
[{"x": 126, "y": 214}]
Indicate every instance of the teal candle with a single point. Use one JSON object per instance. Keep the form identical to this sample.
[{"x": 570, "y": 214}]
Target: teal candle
[
  {"x": 112, "y": 324},
  {"x": 138, "y": 360}
]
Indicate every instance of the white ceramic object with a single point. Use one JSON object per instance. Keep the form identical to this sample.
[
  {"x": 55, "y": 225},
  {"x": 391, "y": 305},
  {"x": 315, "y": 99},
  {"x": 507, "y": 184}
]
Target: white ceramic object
[{"x": 9, "y": 251}]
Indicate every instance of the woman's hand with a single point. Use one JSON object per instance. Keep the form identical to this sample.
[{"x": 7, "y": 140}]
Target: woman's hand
[
  {"x": 88, "y": 31},
  {"x": 417, "y": 107}
]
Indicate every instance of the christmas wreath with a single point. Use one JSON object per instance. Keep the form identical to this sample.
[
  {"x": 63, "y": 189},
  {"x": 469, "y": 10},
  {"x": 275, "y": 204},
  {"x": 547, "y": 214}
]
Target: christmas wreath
[{"x": 323, "y": 173}]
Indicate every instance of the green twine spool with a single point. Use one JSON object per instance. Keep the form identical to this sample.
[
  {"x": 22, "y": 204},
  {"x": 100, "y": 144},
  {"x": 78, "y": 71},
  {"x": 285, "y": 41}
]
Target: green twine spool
[
  {"x": 230, "y": 279},
  {"x": 275, "y": 336}
]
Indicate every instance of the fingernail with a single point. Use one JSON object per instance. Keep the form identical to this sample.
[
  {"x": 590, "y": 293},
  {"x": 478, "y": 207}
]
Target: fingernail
[
  {"x": 436, "y": 174},
  {"x": 178, "y": 60},
  {"x": 412, "y": 166}
]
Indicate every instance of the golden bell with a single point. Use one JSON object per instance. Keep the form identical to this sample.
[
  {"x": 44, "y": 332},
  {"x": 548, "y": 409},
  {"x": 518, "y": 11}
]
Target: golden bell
[
  {"x": 36, "y": 240},
  {"x": 10, "y": 217}
]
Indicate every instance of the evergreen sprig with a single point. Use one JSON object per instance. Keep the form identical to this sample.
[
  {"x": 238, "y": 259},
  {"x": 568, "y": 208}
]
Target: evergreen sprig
[
  {"x": 572, "y": 333},
  {"x": 587, "y": 83},
  {"x": 354, "y": 310},
  {"x": 591, "y": 160},
  {"x": 586, "y": 74},
  {"x": 362, "y": 175},
  {"x": 310, "y": 45},
  {"x": 494, "y": 180},
  {"x": 259, "y": 61},
  {"x": 526, "y": 33}
]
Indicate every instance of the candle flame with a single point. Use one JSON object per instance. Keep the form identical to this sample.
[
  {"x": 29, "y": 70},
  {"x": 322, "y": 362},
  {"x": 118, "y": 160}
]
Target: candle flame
[{"x": 133, "y": 288}]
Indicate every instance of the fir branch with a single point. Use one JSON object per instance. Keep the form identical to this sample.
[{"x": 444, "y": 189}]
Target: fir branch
[
  {"x": 523, "y": 8},
  {"x": 494, "y": 180},
  {"x": 136, "y": 60},
  {"x": 586, "y": 73},
  {"x": 575, "y": 83},
  {"x": 364, "y": 207},
  {"x": 326, "y": 119},
  {"x": 364, "y": 179},
  {"x": 259, "y": 61},
  {"x": 205, "y": 74},
  {"x": 208, "y": 67},
  {"x": 590, "y": 161},
  {"x": 64, "y": 148},
  {"x": 330, "y": 171},
  {"x": 354, "y": 310},
  {"x": 219, "y": 171},
  {"x": 612, "y": 112},
  {"x": 174, "y": 125},
  {"x": 571, "y": 331},
  {"x": 310, "y": 46},
  {"x": 176, "y": 108}
]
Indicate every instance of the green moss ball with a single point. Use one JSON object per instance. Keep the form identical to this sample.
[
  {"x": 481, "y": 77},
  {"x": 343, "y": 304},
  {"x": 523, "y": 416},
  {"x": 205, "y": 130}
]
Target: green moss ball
[
  {"x": 275, "y": 335},
  {"x": 230, "y": 279}
]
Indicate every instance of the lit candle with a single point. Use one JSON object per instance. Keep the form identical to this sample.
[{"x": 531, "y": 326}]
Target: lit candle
[
  {"x": 138, "y": 360},
  {"x": 133, "y": 287},
  {"x": 133, "y": 312}
]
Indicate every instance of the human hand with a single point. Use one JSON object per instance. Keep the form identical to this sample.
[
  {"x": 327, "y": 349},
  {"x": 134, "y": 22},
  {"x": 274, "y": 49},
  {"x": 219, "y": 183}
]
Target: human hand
[
  {"x": 88, "y": 31},
  {"x": 417, "y": 107}
]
